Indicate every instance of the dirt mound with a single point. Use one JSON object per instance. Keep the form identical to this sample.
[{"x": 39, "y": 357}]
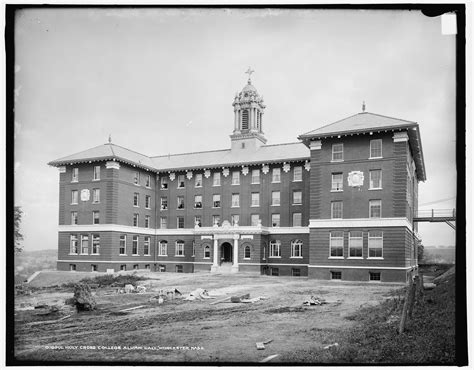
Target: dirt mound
[{"x": 446, "y": 276}]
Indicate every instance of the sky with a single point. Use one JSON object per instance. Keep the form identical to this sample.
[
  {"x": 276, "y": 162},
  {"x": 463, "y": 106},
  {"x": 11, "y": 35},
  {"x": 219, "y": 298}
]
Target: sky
[{"x": 162, "y": 81}]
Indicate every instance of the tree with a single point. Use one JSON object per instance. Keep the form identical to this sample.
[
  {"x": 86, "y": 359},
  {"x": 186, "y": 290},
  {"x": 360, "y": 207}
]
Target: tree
[{"x": 18, "y": 213}]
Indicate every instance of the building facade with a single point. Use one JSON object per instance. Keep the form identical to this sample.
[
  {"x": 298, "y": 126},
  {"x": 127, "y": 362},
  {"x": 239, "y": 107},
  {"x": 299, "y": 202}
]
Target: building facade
[{"x": 338, "y": 204}]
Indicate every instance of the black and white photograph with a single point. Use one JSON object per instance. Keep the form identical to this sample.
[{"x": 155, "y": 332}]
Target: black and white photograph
[{"x": 234, "y": 185}]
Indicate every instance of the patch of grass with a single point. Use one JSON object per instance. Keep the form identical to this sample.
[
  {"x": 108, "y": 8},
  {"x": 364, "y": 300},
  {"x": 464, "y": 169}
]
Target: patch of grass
[{"x": 109, "y": 280}]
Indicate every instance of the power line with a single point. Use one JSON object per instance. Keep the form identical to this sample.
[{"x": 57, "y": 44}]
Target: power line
[{"x": 436, "y": 201}]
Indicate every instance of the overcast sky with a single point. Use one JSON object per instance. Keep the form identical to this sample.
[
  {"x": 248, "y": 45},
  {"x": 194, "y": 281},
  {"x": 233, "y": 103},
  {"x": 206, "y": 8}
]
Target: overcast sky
[{"x": 163, "y": 81}]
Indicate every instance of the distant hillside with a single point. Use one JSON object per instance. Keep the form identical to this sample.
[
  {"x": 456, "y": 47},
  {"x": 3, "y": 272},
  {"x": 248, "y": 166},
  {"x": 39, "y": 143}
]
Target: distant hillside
[
  {"x": 439, "y": 254},
  {"x": 28, "y": 262}
]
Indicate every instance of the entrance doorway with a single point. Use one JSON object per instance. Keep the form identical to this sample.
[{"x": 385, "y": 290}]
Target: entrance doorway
[{"x": 226, "y": 252}]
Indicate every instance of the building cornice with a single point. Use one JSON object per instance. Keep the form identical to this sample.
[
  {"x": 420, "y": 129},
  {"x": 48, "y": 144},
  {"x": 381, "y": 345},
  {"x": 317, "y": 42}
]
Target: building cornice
[{"x": 360, "y": 223}]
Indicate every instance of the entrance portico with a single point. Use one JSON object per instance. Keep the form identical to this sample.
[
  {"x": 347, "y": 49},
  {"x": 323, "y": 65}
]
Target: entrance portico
[{"x": 228, "y": 252}]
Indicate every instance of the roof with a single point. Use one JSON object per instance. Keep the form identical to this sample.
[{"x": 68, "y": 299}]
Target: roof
[
  {"x": 217, "y": 158},
  {"x": 106, "y": 152},
  {"x": 360, "y": 122},
  {"x": 209, "y": 159},
  {"x": 366, "y": 122}
]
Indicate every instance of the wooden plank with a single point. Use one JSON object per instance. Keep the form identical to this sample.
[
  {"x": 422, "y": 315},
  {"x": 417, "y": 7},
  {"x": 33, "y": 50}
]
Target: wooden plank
[
  {"x": 266, "y": 359},
  {"x": 221, "y": 300}
]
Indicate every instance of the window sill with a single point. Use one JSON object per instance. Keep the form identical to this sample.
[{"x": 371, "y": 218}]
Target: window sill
[
  {"x": 136, "y": 184},
  {"x": 180, "y": 209},
  {"x": 148, "y": 255},
  {"x": 375, "y": 188},
  {"x": 234, "y": 206},
  {"x": 198, "y": 186},
  {"x": 216, "y": 185},
  {"x": 252, "y": 206},
  {"x": 297, "y": 204},
  {"x": 336, "y": 191},
  {"x": 178, "y": 255},
  {"x": 123, "y": 255},
  {"x": 163, "y": 188},
  {"x": 375, "y": 258},
  {"x": 162, "y": 255},
  {"x": 275, "y": 205},
  {"x": 335, "y": 258},
  {"x": 375, "y": 157},
  {"x": 147, "y": 208},
  {"x": 95, "y": 202},
  {"x": 247, "y": 259},
  {"x": 136, "y": 206},
  {"x": 74, "y": 181},
  {"x": 95, "y": 254},
  {"x": 135, "y": 255},
  {"x": 95, "y": 179},
  {"x": 337, "y": 160},
  {"x": 74, "y": 204},
  {"x": 197, "y": 207},
  {"x": 163, "y": 209},
  {"x": 72, "y": 254},
  {"x": 216, "y": 207},
  {"x": 297, "y": 180},
  {"x": 276, "y": 182},
  {"x": 84, "y": 254},
  {"x": 206, "y": 258},
  {"x": 254, "y": 183},
  {"x": 180, "y": 187},
  {"x": 355, "y": 258},
  {"x": 297, "y": 257},
  {"x": 274, "y": 257},
  {"x": 148, "y": 187}
]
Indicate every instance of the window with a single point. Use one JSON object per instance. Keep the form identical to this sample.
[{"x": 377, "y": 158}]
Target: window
[
  {"x": 123, "y": 267},
  {"x": 375, "y": 177},
  {"x": 256, "y": 176},
  {"x": 197, "y": 221},
  {"x": 374, "y": 276},
  {"x": 276, "y": 175},
  {"x": 245, "y": 119},
  {"x": 255, "y": 200},
  {"x": 180, "y": 181},
  {"x": 235, "y": 200},
  {"x": 298, "y": 173},
  {"x": 216, "y": 179},
  {"x": 297, "y": 248},
  {"x": 180, "y": 202},
  {"x": 297, "y": 197},
  {"x": 337, "y": 152},
  {"x": 236, "y": 178},
  {"x": 376, "y": 148},
  {"x": 375, "y": 244},
  {"x": 163, "y": 248},
  {"x": 336, "y": 244},
  {"x": 180, "y": 222},
  {"x": 93, "y": 268},
  {"x": 254, "y": 220},
  {"x": 264, "y": 252},
  {"x": 164, "y": 182},
  {"x": 355, "y": 244},
  {"x": 275, "y": 271},
  {"x": 147, "y": 201},
  {"x": 135, "y": 219},
  {"x": 297, "y": 219},
  {"x": 178, "y": 268},
  {"x": 135, "y": 245},
  {"x": 135, "y": 267},
  {"x": 147, "y": 221},
  {"x": 95, "y": 217},
  {"x": 163, "y": 222},
  {"x": 163, "y": 203},
  {"x": 275, "y": 220},
  {"x": 275, "y": 248},
  {"x": 136, "y": 178},
  {"x": 375, "y": 208},
  {"x": 72, "y": 267},
  {"x": 216, "y": 200},
  {"x": 179, "y": 251},
  {"x": 198, "y": 180},
  {"x": 85, "y": 244},
  {"x": 336, "y": 209},
  {"x": 275, "y": 198},
  {"x": 95, "y": 195},
  {"x": 74, "y": 218},
  {"x": 247, "y": 252},
  {"x": 122, "y": 245},
  {"x": 95, "y": 244},
  {"x": 234, "y": 219},
  {"x": 74, "y": 196},
  {"x": 295, "y": 272},
  {"x": 207, "y": 251},
  {"x": 337, "y": 182},
  {"x": 216, "y": 220},
  {"x": 74, "y": 244},
  {"x": 147, "y": 267},
  {"x": 136, "y": 196},
  {"x": 75, "y": 175},
  {"x": 96, "y": 173},
  {"x": 336, "y": 275},
  {"x": 148, "y": 181},
  {"x": 162, "y": 268},
  {"x": 146, "y": 245},
  {"x": 194, "y": 248}
]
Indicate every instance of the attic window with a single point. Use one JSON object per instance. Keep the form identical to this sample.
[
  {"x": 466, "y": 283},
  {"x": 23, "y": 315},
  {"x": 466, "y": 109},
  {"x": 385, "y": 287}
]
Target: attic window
[{"x": 245, "y": 120}]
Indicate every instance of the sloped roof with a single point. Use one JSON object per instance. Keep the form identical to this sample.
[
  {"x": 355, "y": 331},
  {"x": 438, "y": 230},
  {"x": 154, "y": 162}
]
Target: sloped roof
[
  {"x": 226, "y": 157},
  {"x": 208, "y": 159},
  {"x": 105, "y": 152},
  {"x": 360, "y": 122}
]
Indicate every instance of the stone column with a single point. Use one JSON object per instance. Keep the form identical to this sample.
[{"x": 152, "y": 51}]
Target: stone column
[
  {"x": 235, "y": 265},
  {"x": 215, "y": 265}
]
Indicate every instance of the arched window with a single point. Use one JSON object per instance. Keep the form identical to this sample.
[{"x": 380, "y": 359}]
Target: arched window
[
  {"x": 247, "y": 252},
  {"x": 179, "y": 251},
  {"x": 163, "y": 248},
  {"x": 297, "y": 248},
  {"x": 275, "y": 248},
  {"x": 245, "y": 119},
  {"x": 207, "y": 251}
]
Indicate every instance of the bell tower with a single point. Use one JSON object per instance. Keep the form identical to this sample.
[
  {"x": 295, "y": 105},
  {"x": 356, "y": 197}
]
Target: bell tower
[{"x": 248, "y": 118}]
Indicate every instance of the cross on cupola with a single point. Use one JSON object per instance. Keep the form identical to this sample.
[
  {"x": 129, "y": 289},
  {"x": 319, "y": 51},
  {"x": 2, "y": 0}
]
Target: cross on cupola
[{"x": 249, "y": 72}]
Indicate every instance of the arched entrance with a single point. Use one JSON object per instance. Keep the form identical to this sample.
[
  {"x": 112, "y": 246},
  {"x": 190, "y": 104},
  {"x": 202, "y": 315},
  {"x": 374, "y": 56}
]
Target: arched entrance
[{"x": 226, "y": 252}]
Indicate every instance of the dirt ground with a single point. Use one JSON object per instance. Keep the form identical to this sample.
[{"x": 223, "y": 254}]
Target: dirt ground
[{"x": 194, "y": 331}]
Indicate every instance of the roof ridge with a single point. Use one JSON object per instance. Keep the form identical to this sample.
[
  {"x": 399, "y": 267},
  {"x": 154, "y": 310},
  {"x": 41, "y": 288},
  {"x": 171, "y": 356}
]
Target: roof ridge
[
  {"x": 71, "y": 155},
  {"x": 130, "y": 150},
  {"x": 329, "y": 124},
  {"x": 381, "y": 115},
  {"x": 292, "y": 143},
  {"x": 204, "y": 151}
]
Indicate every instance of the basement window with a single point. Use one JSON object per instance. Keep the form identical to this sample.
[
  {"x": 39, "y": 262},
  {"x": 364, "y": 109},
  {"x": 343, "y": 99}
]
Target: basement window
[
  {"x": 72, "y": 267},
  {"x": 295, "y": 272},
  {"x": 162, "y": 268},
  {"x": 336, "y": 275},
  {"x": 374, "y": 276},
  {"x": 93, "y": 268},
  {"x": 179, "y": 268},
  {"x": 135, "y": 267},
  {"x": 275, "y": 271},
  {"x": 123, "y": 267}
]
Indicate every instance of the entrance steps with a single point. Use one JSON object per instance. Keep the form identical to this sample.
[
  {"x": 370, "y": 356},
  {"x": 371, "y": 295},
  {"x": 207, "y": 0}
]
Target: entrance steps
[{"x": 224, "y": 268}]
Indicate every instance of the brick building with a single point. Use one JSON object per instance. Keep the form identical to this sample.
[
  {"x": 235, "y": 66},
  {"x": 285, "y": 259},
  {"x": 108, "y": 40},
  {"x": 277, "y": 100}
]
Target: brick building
[{"x": 338, "y": 204}]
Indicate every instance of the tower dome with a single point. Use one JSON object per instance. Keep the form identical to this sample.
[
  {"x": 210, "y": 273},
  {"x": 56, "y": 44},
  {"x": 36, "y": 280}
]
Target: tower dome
[{"x": 248, "y": 116}]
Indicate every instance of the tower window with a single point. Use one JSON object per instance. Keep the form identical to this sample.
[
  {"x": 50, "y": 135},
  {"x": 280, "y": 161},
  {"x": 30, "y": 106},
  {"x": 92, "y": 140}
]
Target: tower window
[{"x": 245, "y": 120}]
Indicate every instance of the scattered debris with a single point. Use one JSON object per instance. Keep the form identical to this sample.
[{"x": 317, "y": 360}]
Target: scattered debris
[
  {"x": 40, "y": 306},
  {"x": 261, "y": 345},
  {"x": 198, "y": 294},
  {"x": 84, "y": 299},
  {"x": 332, "y": 345},
  {"x": 140, "y": 289},
  {"x": 253, "y": 300},
  {"x": 221, "y": 300},
  {"x": 129, "y": 288},
  {"x": 238, "y": 299},
  {"x": 314, "y": 301},
  {"x": 269, "y": 358}
]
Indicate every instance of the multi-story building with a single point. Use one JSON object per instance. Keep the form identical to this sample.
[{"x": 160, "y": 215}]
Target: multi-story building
[{"x": 338, "y": 204}]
